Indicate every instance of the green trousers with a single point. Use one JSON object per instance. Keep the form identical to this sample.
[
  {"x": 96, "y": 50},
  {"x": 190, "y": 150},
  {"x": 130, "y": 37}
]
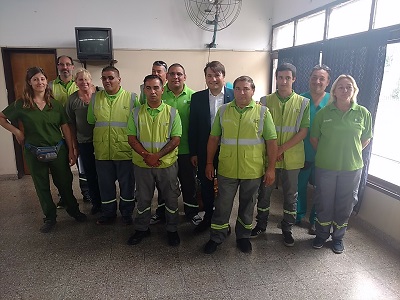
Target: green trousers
[{"x": 62, "y": 179}]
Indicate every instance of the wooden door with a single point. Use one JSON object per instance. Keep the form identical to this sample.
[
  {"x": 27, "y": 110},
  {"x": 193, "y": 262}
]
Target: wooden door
[{"x": 16, "y": 63}]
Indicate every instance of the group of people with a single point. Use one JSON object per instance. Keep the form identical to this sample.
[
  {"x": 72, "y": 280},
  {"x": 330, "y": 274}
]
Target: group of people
[{"x": 170, "y": 137}]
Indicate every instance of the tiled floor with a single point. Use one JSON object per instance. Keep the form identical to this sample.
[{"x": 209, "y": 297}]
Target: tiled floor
[{"x": 87, "y": 261}]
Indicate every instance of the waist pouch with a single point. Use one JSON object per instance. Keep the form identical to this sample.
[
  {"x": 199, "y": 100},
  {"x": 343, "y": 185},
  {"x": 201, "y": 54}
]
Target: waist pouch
[{"x": 45, "y": 154}]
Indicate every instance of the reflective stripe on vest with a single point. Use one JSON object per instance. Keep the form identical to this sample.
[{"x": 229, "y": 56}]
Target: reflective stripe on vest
[
  {"x": 113, "y": 124},
  {"x": 258, "y": 141},
  {"x": 159, "y": 145},
  {"x": 263, "y": 101}
]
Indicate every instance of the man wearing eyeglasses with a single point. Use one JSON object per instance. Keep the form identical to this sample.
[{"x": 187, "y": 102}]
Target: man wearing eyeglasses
[
  {"x": 246, "y": 132},
  {"x": 178, "y": 95},
  {"x": 109, "y": 111},
  {"x": 63, "y": 87},
  {"x": 160, "y": 69},
  {"x": 291, "y": 114},
  {"x": 203, "y": 108},
  {"x": 319, "y": 81}
]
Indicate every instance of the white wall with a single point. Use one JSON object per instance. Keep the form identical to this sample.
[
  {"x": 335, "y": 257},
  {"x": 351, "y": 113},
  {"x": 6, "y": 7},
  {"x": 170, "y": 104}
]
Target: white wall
[
  {"x": 287, "y": 9},
  {"x": 150, "y": 24},
  {"x": 141, "y": 30}
]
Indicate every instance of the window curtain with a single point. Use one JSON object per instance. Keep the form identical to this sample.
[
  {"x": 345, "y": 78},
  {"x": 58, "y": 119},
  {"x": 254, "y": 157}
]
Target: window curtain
[
  {"x": 304, "y": 58},
  {"x": 363, "y": 57}
]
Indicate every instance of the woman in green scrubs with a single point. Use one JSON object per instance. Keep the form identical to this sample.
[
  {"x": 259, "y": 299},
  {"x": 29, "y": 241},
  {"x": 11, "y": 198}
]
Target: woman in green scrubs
[{"x": 42, "y": 117}]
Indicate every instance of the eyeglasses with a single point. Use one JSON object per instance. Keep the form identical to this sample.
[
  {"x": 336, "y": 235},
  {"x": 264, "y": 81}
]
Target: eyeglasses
[
  {"x": 322, "y": 67},
  {"x": 160, "y": 63},
  {"x": 104, "y": 78},
  {"x": 64, "y": 65},
  {"x": 173, "y": 74}
]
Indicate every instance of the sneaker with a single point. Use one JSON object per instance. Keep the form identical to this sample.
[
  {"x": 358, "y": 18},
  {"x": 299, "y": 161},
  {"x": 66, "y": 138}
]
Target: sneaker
[
  {"x": 256, "y": 232},
  {"x": 318, "y": 242},
  {"x": 244, "y": 245},
  {"x": 80, "y": 217},
  {"x": 60, "y": 204},
  {"x": 138, "y": 236},
  {"x": 173, "y": 238},
  {"x": 210, "y": 247},
  {"x": 312, "y": 230},
  {"x": 103, "y": 220},
  {"x": 127, "y": 220},
  {"x": 196, "y": 220},
  {"x": 337, "y": 246},
  {"x": 288, "y": 239},
  {"x": 48, "y": 226},
  {"x": 156, "y": 219}
]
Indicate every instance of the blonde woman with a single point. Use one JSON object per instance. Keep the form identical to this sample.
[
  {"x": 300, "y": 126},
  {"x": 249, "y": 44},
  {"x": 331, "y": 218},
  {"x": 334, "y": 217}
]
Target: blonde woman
[
  {"x": 82, "y": 132},
  {"x": 341, "y": 130},
  {"x": 42, "y": 117}
]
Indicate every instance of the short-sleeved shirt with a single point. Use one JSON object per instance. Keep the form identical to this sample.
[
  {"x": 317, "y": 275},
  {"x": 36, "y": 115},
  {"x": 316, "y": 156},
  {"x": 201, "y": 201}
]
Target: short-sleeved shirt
[
  {"x": 269, "y": 132},
  {"x": 340, "y": 136},
  {"x": 77, "y": 113},
  {"x": 41, "y": 127},
  {"x": 182, "y": 104},
  {"x": 176, "y": 129},
  {"x": 308, "y": 148}
]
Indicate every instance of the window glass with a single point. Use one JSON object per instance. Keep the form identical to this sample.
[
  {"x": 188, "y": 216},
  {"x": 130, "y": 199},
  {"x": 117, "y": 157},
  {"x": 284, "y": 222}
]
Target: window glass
[
  {"x": 310, "y": 29},
  {"x": 385, "y": 14},
  {"x": 283, "y": 36},
  {"x": 385, "y": 159},
  {"x": 349, "y": 17}
]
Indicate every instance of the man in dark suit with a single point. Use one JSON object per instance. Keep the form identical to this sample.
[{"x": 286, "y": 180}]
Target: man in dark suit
[{"x": 203, "y": 108}]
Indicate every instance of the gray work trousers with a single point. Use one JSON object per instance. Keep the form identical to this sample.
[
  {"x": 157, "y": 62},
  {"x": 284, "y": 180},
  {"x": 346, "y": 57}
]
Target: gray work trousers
[
  {"x": 166, "y": 181},
  {"x": 227, "y": 188},
  {"x": 289, "y": 186},
  {"x": 108, "y": 172},
  {"x": 334, "y": 198}
]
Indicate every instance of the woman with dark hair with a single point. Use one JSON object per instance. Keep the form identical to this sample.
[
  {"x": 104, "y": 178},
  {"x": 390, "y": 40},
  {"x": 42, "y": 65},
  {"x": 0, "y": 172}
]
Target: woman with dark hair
[
  {"x": 44, "y": 147},
  {"x": 341, "y": 130}
]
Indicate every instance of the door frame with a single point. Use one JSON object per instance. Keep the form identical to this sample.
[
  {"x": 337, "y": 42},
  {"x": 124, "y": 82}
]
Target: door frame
[{"x": 6, "y": 54}]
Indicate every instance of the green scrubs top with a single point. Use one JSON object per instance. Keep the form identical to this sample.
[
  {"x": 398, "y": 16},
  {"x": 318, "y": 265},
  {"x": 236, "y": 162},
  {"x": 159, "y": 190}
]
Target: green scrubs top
[
  {"x": 41, "y": 127},
  {"x": 308, "y": 148}
]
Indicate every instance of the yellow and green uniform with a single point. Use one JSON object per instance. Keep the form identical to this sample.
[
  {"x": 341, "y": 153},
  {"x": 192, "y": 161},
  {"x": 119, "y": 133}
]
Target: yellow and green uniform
[
  {"x": 243, "y": 132},
  {"x": 109, "y": 114},
  {"x": 154, "y": 128},
  {"x": 242, "y": 153},
  {"x": 62, "y": 90},
  {"x": 289, "y": 114}
]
